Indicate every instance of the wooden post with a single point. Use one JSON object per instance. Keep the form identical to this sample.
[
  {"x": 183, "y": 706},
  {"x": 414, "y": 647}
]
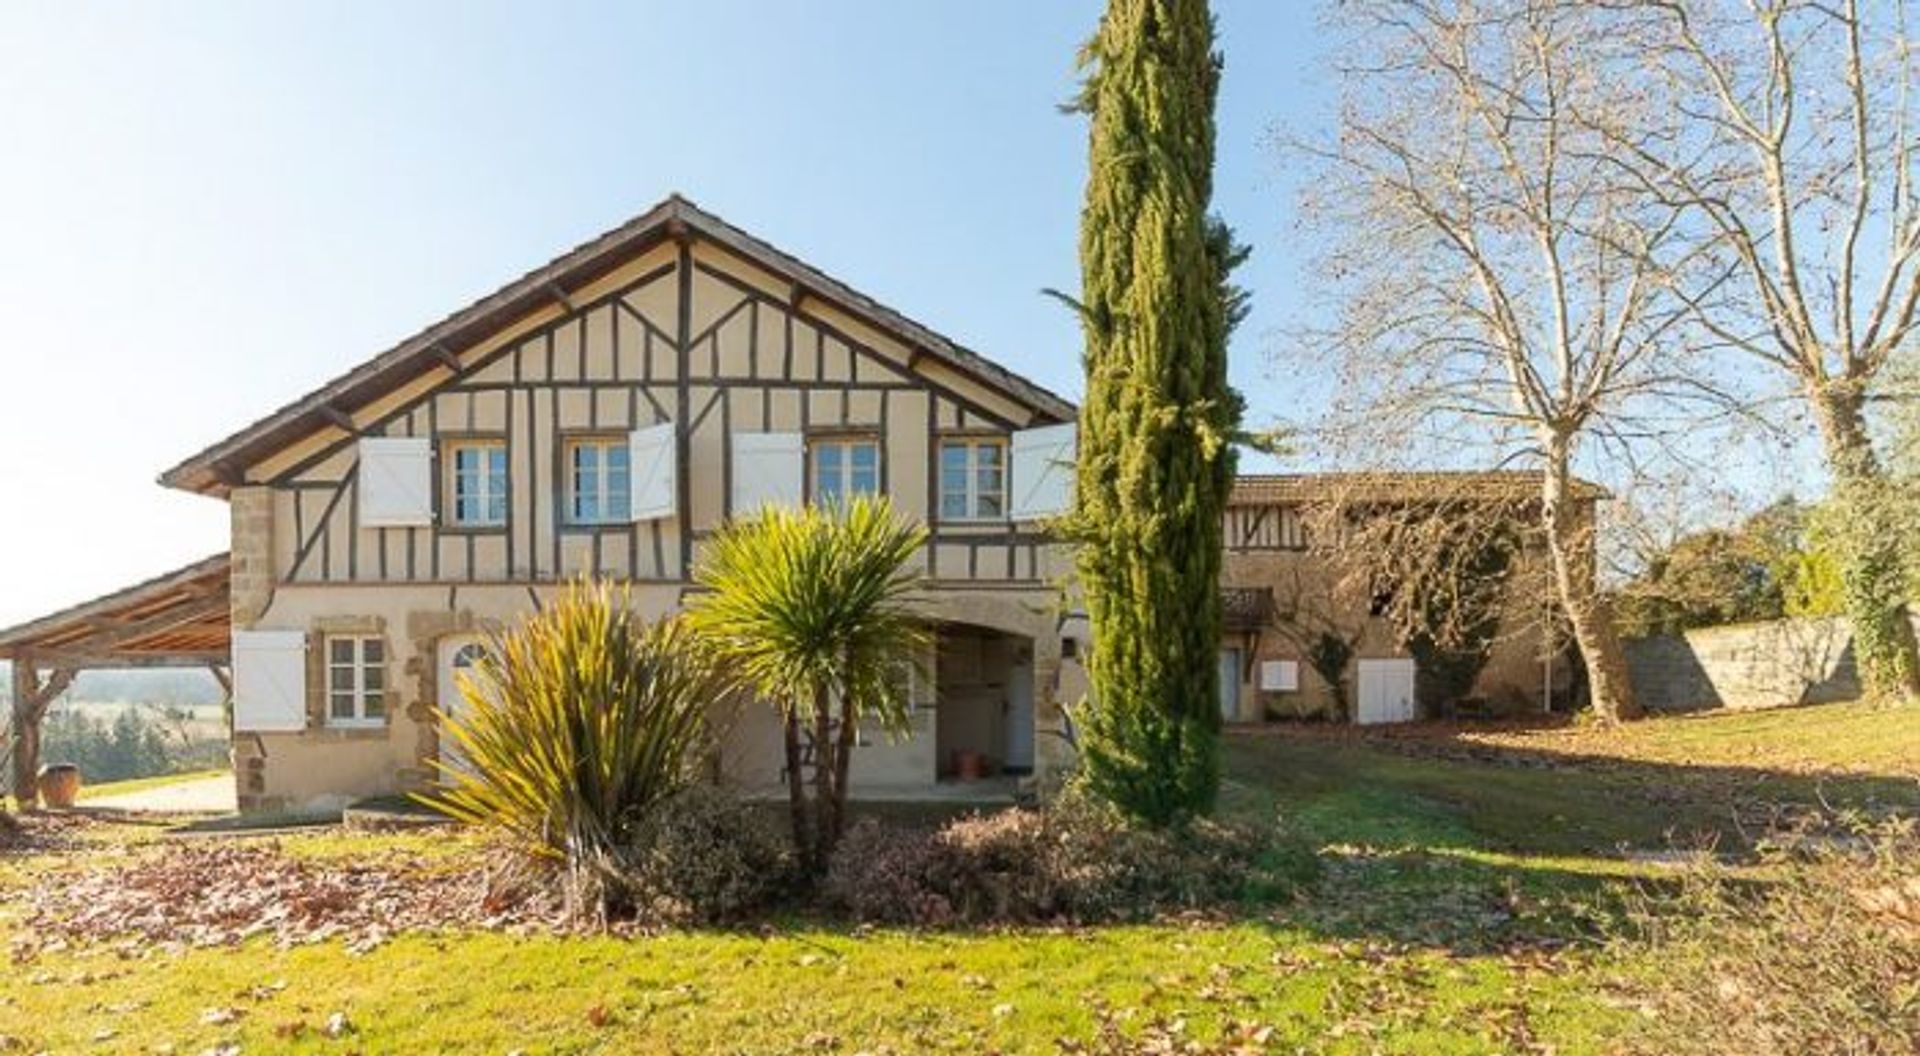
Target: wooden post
[
  {"x": 26, "y": 736},
  {"x": 223, "y": 675}
]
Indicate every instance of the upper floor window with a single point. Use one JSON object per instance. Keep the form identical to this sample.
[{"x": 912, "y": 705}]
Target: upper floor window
[
  {"x": 845, "y": 468},
  {"x": 598, "y": 481},
  {"x": 356, "y": 680},
  {"x": 973, "y": 480},
  {"x": 478, "y": 483}
]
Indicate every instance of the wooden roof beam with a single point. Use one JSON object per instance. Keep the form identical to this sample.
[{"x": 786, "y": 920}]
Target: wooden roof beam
[
  {"x": 227, "y": 474},
  {"x": 107, "y": 641},
  {"x": 336, "y": 417}
]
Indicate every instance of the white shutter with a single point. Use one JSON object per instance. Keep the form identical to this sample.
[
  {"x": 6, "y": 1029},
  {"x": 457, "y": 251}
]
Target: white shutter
[
  {"x": 653, "y": 460},
  {"x": 1043, "y": 471},
  {"x": 769, "y": 469},
  {"x": 396, "y": 482},
  {"x": 269, "y": 680}
]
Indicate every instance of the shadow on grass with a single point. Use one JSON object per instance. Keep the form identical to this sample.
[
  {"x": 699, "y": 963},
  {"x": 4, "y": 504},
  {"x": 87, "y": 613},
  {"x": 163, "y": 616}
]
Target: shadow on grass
[{"x": 1436, "y": 788}]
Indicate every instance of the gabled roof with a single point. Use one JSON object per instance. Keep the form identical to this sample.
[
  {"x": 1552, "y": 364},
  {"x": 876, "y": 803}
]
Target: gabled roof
[
  {"x": 212, "y": 470},
  {"x": 1251, "y": 489}
]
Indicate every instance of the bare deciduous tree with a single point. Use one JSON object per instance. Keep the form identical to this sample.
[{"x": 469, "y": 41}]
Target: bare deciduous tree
[
  {"x": 1501, "y": 288},
  {"x": 1325, "y": 618},
  {"x": 1784, "y": 132}
]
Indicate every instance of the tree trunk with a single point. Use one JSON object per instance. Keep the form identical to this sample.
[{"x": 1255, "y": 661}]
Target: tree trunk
[
  {"x": 823, "y": 770},
  {"x": 842, "y": 762},
  {"x": 1872, "y": 576},
  {"x": 1569, "y": 530},
  {"x": 797, "y": 793}
]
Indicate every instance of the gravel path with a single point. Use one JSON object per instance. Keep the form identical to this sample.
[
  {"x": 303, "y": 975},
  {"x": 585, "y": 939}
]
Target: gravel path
[{"x": 208, "y": 795}]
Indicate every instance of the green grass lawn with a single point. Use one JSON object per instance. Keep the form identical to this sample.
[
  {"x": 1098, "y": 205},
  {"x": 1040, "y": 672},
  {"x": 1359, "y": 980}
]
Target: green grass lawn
[{"x": 1457, "y": 865}]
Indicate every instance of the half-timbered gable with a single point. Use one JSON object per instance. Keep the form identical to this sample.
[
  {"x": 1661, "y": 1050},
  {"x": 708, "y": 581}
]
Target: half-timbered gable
[{"x": 755, "y": 379}]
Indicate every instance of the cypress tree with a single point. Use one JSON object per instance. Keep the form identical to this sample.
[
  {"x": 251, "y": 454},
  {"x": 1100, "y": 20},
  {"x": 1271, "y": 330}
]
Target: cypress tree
[{"x": 1155, "y": 460}]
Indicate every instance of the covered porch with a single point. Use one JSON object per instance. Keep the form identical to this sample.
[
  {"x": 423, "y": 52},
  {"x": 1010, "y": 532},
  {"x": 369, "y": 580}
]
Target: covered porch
[{"x": 180, "y": 619}]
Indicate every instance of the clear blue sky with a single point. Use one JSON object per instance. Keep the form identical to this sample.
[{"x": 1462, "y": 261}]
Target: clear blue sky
[{"x": 206, "y": 209}]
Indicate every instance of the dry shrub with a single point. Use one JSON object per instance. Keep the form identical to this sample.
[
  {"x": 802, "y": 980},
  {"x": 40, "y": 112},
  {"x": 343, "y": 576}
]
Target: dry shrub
[
  {"x": 705, "y": 857},
  {"x": 1078, "y": 861},
  {"x": 878, "y": 873},
  {"x": 1818, "y": 955}
]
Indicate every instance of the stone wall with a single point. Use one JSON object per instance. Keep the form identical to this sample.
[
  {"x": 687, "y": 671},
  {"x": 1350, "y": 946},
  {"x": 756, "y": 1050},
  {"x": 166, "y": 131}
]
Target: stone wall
[{"x": 1749, "y": 665}]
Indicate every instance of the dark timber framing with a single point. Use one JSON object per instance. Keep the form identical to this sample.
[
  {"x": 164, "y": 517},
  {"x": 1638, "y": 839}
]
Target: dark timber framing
[
  {"x": 704, "y": 354},
  {"x": 676, "y": 219}
]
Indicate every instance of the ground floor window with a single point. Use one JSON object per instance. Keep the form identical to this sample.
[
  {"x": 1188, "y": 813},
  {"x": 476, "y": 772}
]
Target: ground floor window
[{"x": 356, "y": 680}]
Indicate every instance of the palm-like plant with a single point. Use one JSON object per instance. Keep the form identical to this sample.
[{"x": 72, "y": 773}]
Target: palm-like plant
[
  {"x": 578, "y": 724},
  {"x": 810, "y": 608}
]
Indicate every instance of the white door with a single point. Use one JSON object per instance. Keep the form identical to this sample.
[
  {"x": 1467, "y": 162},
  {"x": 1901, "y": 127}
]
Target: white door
[
  {"x": 1385, "y": 692},
  {"x": 1020, "y": 713},
  {"x": 1230, "y": 685},
  {"x": 458, "y": 654}
]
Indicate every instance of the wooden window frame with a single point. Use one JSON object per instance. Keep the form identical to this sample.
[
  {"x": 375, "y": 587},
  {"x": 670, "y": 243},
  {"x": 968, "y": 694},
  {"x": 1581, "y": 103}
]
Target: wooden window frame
[
  {"x": 451, "y": 446},
  {"x": 357, "y": 691},
  {"x": 972, "y": 443},
  {"x": 846, "y": 441},
  {"x": 571, "y": 442}
]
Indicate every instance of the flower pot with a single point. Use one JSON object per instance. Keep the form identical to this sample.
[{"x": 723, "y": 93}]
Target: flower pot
[
  {"x": 969, "y": 765},
  {"x": 60, "y": 785}
]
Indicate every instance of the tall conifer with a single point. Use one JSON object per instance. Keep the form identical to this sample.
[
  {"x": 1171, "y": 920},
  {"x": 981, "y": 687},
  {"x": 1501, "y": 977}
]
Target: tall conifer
[{"x": 1155, "y": 460}]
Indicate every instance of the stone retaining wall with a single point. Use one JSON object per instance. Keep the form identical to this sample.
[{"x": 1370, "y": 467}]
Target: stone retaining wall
[{"x": 1750, "y": 665}]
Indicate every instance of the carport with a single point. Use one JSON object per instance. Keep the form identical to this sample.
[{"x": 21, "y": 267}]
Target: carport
[{"x": 179, "y": 619}]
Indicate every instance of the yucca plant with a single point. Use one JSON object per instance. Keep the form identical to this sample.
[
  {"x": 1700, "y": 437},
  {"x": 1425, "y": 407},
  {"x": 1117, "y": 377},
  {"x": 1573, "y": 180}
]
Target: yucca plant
[
  {"x": 579, "y": 723},
  {"x": 810, "y": 607}
]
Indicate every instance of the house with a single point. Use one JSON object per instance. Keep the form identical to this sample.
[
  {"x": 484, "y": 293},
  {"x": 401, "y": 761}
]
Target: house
[
  {"x": 1283, "y": 593},
  {"x": 602, "y": 415}
]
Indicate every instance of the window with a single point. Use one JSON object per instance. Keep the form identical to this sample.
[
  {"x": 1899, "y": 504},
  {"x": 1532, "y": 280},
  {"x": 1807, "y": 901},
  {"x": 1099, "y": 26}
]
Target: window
[
  {"x": 845, "y": 468},
  {"x": 478, "y": 483},
  {"x": 973, "y": 480},
  {"x": 902, "y": 682},
  {"x": 356, "y": 680},
  {"x": 598, "y": 478}
]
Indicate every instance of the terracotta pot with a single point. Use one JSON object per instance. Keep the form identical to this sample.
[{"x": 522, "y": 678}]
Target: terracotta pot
[
  {"x": 60, "y": 785},
  {"x": 969, "y": 765}
]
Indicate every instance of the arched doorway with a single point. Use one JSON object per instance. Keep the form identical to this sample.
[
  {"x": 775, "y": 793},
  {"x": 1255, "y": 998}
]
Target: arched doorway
[{"x": 458, "y": 655}]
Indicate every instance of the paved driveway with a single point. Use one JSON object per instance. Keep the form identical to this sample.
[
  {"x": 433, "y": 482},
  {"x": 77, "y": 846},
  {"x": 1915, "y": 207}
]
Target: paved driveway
[{"x": 207, "y": 795}]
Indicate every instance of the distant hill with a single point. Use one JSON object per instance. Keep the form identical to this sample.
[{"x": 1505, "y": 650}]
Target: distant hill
[{"x": 186, "y": 687}]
